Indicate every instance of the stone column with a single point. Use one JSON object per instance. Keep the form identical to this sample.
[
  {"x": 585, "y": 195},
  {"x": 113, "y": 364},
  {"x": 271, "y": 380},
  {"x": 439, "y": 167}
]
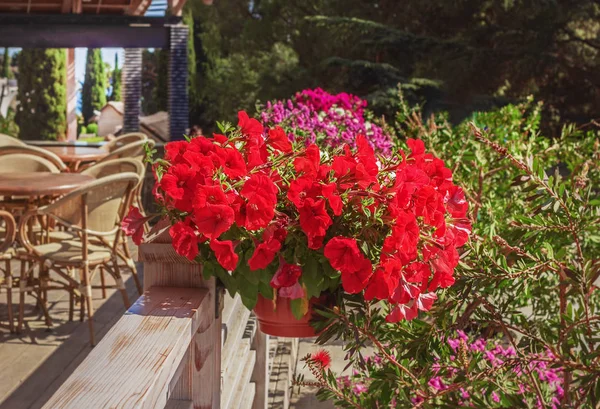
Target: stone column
[
  {"x": 131, "y": 77},
  {"x": 178, "y": 82}
]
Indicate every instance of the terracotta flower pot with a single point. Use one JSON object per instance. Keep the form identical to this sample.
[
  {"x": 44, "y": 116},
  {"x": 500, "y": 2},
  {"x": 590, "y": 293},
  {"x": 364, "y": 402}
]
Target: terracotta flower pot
[{"x": 278, "y": 320}]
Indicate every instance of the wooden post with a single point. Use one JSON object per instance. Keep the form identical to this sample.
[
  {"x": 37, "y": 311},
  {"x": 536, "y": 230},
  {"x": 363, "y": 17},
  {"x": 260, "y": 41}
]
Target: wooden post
[
  {"x": 201, "y": 368},
  {"x": 260, "y": 376},
  {"x": 71, "y": 96}
]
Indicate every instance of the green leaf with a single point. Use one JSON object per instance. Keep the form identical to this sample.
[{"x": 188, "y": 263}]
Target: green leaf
[
  {"x": 298, "y": 307},
  {"x": 312, "y": 277},
  {"x": 248, "y": 293},
  {"x": 229, "y": 282}
]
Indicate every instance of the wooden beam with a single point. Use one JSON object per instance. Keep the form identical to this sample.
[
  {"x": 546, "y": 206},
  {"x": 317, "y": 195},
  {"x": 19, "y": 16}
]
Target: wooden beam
[
  {"x": 49, "y": 36},
  {"x": 135, "y": 362},
  {"x": 67, "y": 6},
  {"x": 77, "y": 6},
  {"x": 83, "y": 30}
]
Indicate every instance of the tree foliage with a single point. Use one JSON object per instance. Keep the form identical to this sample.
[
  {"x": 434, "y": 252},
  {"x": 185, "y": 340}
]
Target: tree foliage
[
  {"x": 93, "y": 94},
  {"x": 42, "y": 94},
  {"x": 449, "y": 56},
  {"x": 116, "y": 81},
  {"x": 5, "y": 71}
]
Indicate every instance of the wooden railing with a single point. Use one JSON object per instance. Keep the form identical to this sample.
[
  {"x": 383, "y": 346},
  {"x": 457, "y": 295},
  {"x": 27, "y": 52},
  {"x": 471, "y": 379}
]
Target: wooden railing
[{"x": 182, "y": 345}]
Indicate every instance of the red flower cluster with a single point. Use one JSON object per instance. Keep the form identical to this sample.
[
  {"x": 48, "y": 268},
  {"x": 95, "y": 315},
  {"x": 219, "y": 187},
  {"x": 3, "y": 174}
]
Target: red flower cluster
[
  {"x": 390, "y": 227},
  {"x": 426, "y": 214}
]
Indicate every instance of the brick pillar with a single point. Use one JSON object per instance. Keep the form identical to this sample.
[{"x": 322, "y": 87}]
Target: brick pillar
[
  {"x": 131, "y": 77},
  {"x": 71, "y": 96},
  {"x": 178, "y": 82}
]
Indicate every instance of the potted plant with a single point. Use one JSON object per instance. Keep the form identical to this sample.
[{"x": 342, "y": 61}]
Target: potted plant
[{"x": 287, "y": 226}]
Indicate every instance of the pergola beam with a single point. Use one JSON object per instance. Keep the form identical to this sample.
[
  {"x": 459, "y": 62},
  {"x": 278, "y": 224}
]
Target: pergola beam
[{"x": 69, "y": 31}]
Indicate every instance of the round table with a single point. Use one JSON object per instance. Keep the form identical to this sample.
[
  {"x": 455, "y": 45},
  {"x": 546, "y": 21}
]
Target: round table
[
  {"x": 36, "y": 184},
  {"x": 74, "y": 155}
]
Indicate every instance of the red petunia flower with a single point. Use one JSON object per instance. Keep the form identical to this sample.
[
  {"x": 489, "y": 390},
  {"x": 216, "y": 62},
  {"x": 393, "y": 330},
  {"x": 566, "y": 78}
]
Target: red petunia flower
[
  {"x": 417, "y": 147},
  {"x": 425, "y": 301},
  {"x": 202, "y": 145},
  {"x": 209, "y": 194},
  {"x": 382, "y": 284},
  {"x": 233, "y": 163},
  {"x": 287, "y": 275},
  {"x": 309, "y": 163},
  {"x": 259, "y": 185},
  {"x": 174, "y": 181},
  {"x": 185, "y": 240},
  {"x": 250, "y": 126},
  {"x": 133, "y": 224},
  {"x": 343, "y": 254},
  {"x": 302, "y": 188},
  {"x": 259, "y": 213},
  {"x": 404, "y": 238},
  {"x": 264, "y": 254},
  {"x": 219, "y": 138},
  {"x": 214, "y": 220},
  {"x": 329, "y": 192},
  {"x": 322, "y": 359},
  {"x": 278, "y": 140},
  {"x": 456, "y": 203},
  {"x": 355, "y": 282},
  {"x": 225, "y": 254},
  {"x": 174, "y": 151},
  {"x": 314, "y": 219},
  {"x": 401, "y": 312}
]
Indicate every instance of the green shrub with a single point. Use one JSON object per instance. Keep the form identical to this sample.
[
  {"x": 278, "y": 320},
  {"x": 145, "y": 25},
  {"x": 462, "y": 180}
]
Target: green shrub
[
  {"x": 92, "y": 129},
  {"x": 526, "y": 286}
]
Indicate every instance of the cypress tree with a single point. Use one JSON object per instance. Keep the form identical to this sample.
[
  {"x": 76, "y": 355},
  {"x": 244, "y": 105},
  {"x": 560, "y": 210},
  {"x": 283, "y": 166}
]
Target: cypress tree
[
  {"x": 116, "y": 81},
  {"x": 188, "y": 20},
  {"x": 93, "y": 93},
  {"x": 42, "y": 94},
  {"x": 6, "y": 72}
]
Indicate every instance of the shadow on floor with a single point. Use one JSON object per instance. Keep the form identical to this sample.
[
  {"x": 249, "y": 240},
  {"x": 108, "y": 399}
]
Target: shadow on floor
[{"x": 36, "y": 362}]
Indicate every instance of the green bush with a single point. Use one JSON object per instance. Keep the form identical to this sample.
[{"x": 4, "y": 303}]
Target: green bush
[
  {"x": 526, "y": 286},
  {"x": 92, "y": 129}
]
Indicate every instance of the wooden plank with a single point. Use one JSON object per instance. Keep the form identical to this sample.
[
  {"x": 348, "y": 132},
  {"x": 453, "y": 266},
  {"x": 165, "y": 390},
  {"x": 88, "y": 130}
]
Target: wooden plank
[
  {"x": 234, "y": 334},
  {"x": 135, "y": 361},
  {"x": 244, "y": 382},
  {"x": 260, "y": 375},
  {"x": 249, "y": 396},
  {"x": 200, "y": 377},
  {"x": 233, "y": 376},
  {"x": 179, "y": 404}
]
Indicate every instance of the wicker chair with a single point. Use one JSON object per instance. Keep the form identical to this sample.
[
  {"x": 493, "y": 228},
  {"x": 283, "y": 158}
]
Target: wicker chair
[
  {"x": 123, "y": 140},
  {"x": 94, "y": 211},
  {"x": 134, "y": 150},
  {"x": 113, "y": 167},
  {"x": 7, "y": 140},
  {"x": 8, "y": 229},
  {"x": 24, "y": 162},
  {"x": 32, "y": 150}
]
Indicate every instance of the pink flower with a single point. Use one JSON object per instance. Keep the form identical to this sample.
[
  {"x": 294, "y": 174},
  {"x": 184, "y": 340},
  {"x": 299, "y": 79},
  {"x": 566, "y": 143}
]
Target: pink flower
[
  {"x": 495, "y": 397},
  {"x": 359, "y": 388}
]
